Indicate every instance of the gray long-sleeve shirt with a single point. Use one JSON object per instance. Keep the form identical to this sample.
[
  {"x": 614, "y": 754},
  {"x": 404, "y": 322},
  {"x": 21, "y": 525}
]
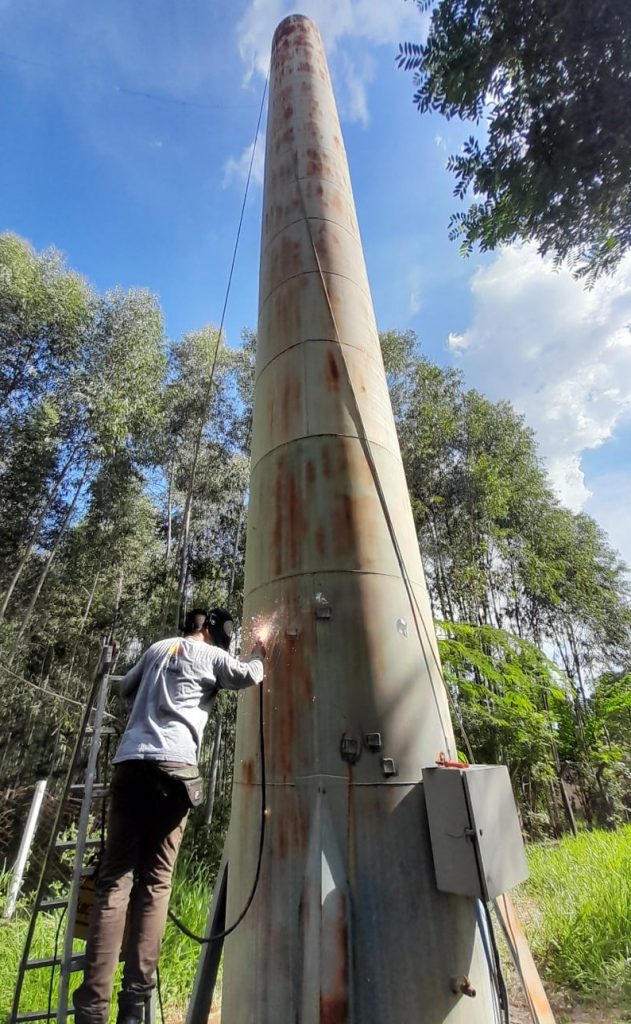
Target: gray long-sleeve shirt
[{"x": 175, "y": 683}]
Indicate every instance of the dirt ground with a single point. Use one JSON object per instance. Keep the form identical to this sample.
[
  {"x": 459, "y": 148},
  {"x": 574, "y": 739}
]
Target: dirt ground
[{"x": 566, "y": 1011}]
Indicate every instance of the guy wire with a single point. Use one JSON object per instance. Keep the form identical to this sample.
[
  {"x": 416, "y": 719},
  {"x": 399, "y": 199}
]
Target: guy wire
[
  {"x": 363, "y": 437},
  {"x": 415, "y": 608}
]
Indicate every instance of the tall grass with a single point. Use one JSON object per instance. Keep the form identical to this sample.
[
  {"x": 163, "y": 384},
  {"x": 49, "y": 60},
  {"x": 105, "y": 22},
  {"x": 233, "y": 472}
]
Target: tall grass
[
  {"x": 179, "y": 956},
  {"x": 577, "y": 911},
  {"x": 576, "y": 906},
  {"x": 178, "y": 960}
]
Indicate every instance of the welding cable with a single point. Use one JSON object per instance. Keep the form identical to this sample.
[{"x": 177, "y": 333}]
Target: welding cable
[
  {"x": 502, "y": 990},
  {"x": 226, "y": 931},
  {"x": 487, "y": 946},
  {"x": 54, "y": 963},
  {"x": 159, "y": 991},
  {"x": 512, "y": 943}
]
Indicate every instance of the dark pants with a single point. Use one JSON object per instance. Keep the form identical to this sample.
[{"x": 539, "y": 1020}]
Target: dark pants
[{"x": 146, "y": 820}]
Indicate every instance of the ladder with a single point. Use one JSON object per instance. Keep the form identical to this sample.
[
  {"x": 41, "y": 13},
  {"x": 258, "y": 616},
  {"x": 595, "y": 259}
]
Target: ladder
[{"x": 75, "y": 809}]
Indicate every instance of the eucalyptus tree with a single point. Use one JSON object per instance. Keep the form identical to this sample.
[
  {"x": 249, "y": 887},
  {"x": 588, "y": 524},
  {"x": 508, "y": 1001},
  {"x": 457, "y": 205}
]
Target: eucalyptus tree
[
  {"x": 552, "y": 82},
  {"x": 205, "y": 467},
  {"x": 81, "y": 404},
  {"x": 45, "y": 314}
]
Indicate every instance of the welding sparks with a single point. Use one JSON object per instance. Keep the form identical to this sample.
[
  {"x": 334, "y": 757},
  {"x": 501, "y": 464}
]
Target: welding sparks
[{"x": 264, "y": 628}]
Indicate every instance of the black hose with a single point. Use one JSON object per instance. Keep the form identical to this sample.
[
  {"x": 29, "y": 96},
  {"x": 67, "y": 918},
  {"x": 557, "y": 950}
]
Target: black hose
[{"x": 501, "y": 981}]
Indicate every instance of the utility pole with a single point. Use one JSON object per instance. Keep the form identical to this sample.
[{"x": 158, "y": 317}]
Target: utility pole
[{"x": 347, "y": 925}]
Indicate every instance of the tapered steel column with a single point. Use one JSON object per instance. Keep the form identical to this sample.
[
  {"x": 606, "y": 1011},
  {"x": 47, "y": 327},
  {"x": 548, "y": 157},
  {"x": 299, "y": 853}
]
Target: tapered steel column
[{"x": 346, "y": 924}]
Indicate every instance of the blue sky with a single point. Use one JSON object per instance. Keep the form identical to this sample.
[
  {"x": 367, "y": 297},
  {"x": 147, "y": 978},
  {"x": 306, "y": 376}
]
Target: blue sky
[{"x": 126, "y": 134}]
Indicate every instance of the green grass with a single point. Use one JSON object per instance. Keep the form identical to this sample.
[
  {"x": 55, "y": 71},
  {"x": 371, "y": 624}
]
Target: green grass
[
  {"x": 178, "y": 959},
  {"x": 576, "y": 908},
  {"x": 577, "y": 912}
]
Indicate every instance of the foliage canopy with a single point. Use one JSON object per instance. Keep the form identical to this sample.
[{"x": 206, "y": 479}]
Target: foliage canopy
[{"x": 552, "y": 81}]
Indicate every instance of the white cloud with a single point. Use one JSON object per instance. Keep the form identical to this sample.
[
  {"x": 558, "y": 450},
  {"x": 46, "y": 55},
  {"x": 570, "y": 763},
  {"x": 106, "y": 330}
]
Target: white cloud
[
  {"x": 560, "y": 353},
  {"x": 342, "y": 23},
  {"x": 235, "y": 170},
  {"x": 609, "y": 505},
  {"x": 457, "y": 342},
  {"x": 416, "y": 279},
  {"x": 440, "y": 142}
]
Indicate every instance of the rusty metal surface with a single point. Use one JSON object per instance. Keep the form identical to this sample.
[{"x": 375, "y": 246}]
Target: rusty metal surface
[{"x": 347, "y": 926}]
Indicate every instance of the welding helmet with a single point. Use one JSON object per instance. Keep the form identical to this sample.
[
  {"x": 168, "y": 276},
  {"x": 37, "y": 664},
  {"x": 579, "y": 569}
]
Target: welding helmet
[{"x": 220, "y": 626}]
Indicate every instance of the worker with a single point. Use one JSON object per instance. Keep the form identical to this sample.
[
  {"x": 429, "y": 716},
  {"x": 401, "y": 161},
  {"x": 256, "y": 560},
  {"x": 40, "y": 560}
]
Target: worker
[{"x": 154, "y": 783}]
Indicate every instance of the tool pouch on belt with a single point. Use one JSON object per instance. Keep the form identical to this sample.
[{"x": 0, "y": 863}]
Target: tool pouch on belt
[{"x": 190, "y": 780}]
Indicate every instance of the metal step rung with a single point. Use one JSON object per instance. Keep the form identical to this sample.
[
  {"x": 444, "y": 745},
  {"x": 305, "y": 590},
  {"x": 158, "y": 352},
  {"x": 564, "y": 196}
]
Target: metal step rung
[
  {"x": 106, "y": 730},
  {"x": 76, "y": 964},
  {"x": 54, "y": 904},
  {"x": 71, "y": 844},
  {"x": 40, "y": 1015},
  {"x": 98, "y": 792}
]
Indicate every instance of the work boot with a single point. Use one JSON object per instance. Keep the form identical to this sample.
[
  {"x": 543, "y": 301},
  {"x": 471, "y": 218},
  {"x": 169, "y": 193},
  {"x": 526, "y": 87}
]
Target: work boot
[{"x": 134, "y": 1014}]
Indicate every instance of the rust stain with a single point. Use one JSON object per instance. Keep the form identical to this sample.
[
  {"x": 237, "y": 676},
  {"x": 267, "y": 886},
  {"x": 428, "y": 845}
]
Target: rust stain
[
  {"x": 310, "y": 471},
  {"x": 315, "y": 163},
  {"x": 332, "y": 372},
  {"x": 289, "y": 262},
  {"x": 248, "y": 773},
  {"x": 284, "y": 30},
  {"x": 292, "y": 685},
  {"x": 301, "y": 830},
  {"x": 334, "y": 1009},
  {"x": 277, "y": 530},
  {"x": 326, "y": 461},
  {"x": 305, "y": 66},
  {"x": 284, "y": 717},
  {"x": 285, "y": 319},
  {"x": 334, "y": 1004},
  {"x": 296, "y": 522},
  {"x": 294, "y": 515},
  {"x": 280, "y": 835},
  {"x": 320, "y": 541}
]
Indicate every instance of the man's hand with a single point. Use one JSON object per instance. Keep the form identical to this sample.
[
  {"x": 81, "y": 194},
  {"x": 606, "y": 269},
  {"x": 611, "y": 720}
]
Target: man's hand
[{"x": 259, "y": 650}]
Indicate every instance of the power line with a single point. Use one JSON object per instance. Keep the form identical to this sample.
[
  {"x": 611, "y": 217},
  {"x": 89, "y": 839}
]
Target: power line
[
  {"x": 49, "y": 693},
  {"x": 124, "y": 90}
]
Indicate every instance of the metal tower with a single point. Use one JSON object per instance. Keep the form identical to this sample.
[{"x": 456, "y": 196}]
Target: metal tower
[{"x": 347, "y": 925}]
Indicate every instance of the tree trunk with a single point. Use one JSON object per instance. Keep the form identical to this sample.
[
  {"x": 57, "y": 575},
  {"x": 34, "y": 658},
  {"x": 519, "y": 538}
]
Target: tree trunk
[
  {"x": 81, "y": 628},
  {"x": 35, "y": 532},
  {"x": 235, "y": 551},
  {"x": 169, "y": 512},
  {"x": 184, "y": 549},
  {"x": 49, "y": 561},
  {"x": 214, "y": 765}
]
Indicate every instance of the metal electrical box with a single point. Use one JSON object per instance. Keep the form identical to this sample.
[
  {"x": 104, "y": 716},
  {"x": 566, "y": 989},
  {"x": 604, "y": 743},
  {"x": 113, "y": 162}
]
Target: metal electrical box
[{"x": 476, "y": 840}]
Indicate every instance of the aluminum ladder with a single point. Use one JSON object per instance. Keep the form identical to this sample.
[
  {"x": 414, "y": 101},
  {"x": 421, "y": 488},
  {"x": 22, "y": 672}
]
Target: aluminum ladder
[{"x": 82, "y": 797}]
